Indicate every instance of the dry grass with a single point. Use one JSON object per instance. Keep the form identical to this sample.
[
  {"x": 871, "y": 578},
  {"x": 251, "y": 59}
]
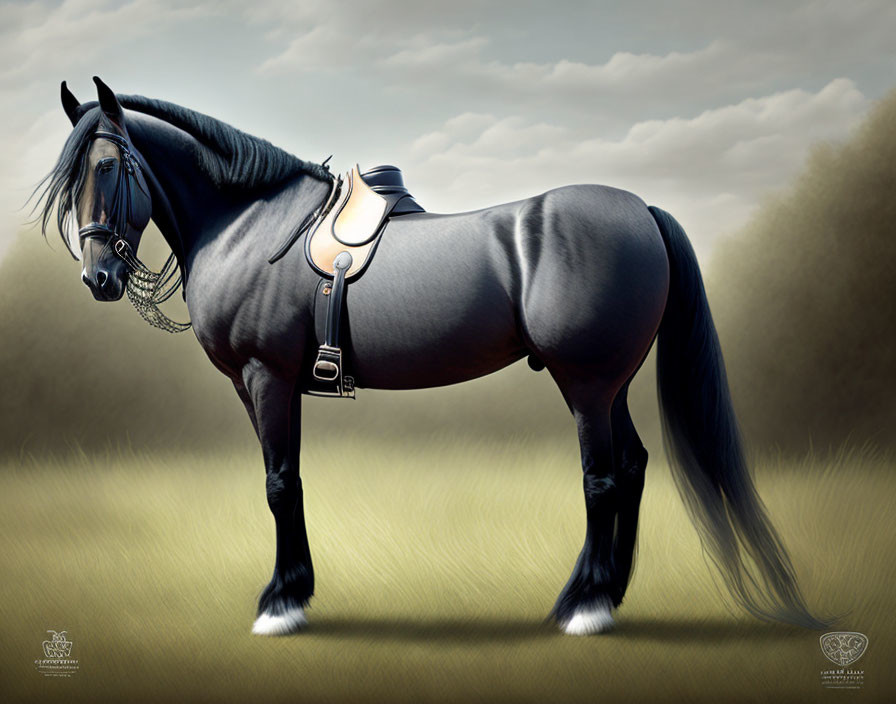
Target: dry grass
[{"x": 436, "y": 564}]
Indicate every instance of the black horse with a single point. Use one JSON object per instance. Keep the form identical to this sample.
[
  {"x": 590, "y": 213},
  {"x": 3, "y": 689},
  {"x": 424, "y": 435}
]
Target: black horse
[{"x": 580, "y": 279}]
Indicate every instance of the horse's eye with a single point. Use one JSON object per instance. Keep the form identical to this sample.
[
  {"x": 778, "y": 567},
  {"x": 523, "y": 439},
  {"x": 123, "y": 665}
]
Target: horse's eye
[{"x": 104, "y": 165}]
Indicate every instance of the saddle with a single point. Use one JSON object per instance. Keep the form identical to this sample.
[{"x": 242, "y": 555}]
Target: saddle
[{"x": 342, "y": 238}]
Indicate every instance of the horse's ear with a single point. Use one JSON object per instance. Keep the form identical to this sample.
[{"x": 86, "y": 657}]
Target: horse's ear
[
  {"x": 70, "y": 104},
  {"x": 109, "y": 103}
]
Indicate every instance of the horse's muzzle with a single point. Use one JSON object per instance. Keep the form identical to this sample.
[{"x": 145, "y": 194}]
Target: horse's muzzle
[
  {"x": 104, "y": 273},
  {"x": 106, "y": 284}
]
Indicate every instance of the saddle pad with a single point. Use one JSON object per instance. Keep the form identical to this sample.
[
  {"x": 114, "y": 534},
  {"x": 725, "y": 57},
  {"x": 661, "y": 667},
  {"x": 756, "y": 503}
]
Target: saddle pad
[
  {"x": 351, "y": 225},
  {"x": 360, "y": 215}
]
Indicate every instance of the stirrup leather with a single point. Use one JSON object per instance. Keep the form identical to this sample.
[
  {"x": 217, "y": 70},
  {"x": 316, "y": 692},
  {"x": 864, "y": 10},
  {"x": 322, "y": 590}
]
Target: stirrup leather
[{"x": 328, "y": 370}]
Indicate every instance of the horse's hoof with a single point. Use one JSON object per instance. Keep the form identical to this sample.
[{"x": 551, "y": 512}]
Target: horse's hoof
[
  {"x": 589, "y": 620},
  {"x": 282, "y": 624}
]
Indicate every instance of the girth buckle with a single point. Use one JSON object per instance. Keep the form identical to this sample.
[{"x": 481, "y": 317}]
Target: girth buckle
[{"x": 329, "y": 363}]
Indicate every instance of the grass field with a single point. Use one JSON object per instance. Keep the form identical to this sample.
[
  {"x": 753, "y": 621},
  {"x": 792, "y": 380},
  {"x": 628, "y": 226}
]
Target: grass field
[{"x": 436, "y": 565}]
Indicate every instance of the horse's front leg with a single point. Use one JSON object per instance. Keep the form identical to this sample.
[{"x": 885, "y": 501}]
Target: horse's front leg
[{"x": 274, "y": 404}]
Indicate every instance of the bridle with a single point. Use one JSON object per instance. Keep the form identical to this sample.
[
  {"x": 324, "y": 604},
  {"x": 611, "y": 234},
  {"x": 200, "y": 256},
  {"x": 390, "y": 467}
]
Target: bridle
[
  {"x": 146, "y": 288},
  {"x": 120, "y": 213}
]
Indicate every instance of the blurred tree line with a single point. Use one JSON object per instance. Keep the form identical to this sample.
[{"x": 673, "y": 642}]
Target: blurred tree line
[{"x": 806, "y": 300}]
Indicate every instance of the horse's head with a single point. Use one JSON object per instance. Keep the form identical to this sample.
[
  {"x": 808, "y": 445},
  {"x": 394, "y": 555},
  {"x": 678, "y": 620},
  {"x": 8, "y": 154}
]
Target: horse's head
[{"x": 108, "y": 204}]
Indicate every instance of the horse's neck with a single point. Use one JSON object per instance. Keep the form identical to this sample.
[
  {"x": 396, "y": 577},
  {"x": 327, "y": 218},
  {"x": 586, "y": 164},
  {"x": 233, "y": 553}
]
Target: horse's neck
[
  {"x": 184, "y": 198},
  {"x": 190, "y": 210}
]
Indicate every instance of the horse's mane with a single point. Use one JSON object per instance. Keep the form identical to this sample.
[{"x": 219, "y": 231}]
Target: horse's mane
[
  {"x": 60, "y": 189},
  {"x": 231, "y": 158}
]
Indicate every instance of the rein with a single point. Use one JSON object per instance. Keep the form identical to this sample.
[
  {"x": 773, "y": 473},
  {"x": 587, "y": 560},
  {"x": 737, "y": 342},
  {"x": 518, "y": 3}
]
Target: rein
[{"x": 146, "y": 288}]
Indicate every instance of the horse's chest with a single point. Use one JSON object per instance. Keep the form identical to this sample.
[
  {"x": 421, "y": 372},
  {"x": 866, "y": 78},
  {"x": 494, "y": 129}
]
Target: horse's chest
[{"x": 240, "y": 312}]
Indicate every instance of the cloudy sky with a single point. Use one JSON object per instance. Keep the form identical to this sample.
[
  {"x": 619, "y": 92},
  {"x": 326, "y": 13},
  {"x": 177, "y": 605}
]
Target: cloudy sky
[{"x": 699, "y": 106}]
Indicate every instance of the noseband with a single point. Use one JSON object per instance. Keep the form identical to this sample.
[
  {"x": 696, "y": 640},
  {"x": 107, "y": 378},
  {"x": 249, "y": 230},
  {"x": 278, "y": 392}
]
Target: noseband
[{"x": 145, "y": 288}]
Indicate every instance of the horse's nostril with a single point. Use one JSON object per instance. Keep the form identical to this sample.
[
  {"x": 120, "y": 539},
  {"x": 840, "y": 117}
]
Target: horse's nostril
[
  {"x": 101, "y": 278},
  {"x": 85, "y": 278}
]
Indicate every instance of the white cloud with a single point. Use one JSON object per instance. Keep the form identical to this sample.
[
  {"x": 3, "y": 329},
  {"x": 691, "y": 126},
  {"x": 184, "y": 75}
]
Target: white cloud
[
  {"x": 422, "y": 54},
  {"x": 711, "y": 169},
  {"x": 77, "y": 31},
  {"x": 313, "y": 51},
  {"x": 622, "y": 71},
  {"x": 749, "y": 50}
]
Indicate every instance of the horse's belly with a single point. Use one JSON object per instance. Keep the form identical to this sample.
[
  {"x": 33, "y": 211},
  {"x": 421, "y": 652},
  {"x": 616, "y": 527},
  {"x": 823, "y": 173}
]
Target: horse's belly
[{"x": 437, "y": 322}]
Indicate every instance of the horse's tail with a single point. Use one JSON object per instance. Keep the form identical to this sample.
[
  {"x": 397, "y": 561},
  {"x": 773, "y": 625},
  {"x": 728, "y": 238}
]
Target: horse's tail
[{"x": 703, "y": 442}]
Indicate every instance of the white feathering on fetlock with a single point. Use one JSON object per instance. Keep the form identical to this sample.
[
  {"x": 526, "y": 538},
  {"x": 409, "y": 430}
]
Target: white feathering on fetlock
[
  {"x": 589, "y": 620},
  {"x": 291, "y": 620}
]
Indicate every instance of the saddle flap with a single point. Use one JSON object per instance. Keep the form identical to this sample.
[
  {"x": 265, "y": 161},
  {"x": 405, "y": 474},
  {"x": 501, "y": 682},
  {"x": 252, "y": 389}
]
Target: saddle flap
[{"x": 361, "y": 214}]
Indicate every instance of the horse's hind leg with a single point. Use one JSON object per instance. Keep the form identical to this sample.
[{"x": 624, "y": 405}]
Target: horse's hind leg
[
  {"x": 585, "y": 604},
  {"x": 630, "y": 462}
]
